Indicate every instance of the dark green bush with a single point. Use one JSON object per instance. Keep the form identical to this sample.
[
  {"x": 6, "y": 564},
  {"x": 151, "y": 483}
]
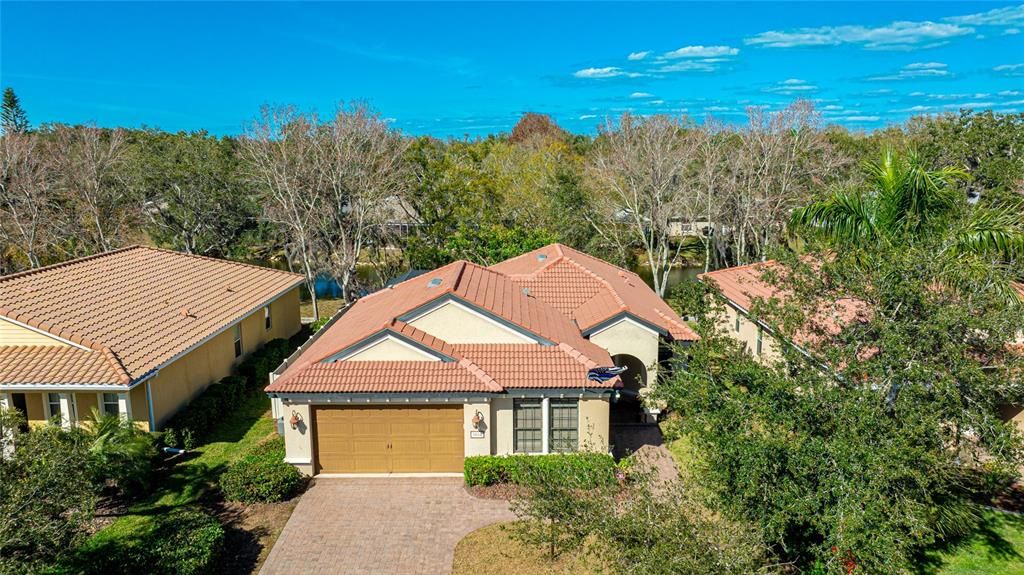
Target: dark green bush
[
  {"x": 585, "y": 470},
  {"x": 184, "y": 541},
  {"x": 262, "y": 476}
]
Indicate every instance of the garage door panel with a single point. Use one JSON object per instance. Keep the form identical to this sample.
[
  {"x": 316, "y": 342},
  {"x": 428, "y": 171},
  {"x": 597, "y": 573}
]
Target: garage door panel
[{"x": 389, "y": 439}]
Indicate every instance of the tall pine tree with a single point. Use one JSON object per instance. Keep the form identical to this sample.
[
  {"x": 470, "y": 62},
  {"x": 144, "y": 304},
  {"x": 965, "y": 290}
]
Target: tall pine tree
[{"x": 12, "y": 117}]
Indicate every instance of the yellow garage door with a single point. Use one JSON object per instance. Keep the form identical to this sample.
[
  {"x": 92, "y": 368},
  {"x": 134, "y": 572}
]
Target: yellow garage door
[{"x": 389, "y": 439}]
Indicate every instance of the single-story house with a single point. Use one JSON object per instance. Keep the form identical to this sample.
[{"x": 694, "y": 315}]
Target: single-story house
[
  {"x": 740, "y": 286},
  {"x": 137, "y": 331},
  {"x": 471, "y": 360}
]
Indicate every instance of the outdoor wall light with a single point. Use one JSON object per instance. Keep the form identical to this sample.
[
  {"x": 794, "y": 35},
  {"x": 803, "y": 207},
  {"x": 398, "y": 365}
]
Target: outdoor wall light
[
  {"x": 478, "y": 418},
  {"x": 295, "y": 420}
]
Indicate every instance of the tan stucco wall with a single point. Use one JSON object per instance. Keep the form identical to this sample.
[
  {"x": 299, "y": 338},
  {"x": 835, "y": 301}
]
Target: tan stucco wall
[
  {"x": 184, "y": 379},
  {"x": 629, "y": 338},
  {"x": 298, "y": 443},
  {"x": 14, "y": 334},
  {"x": 477, "y": 445},
  {"x": 502, "y": 436},
  {"x": 594, "y": 431},
  {"x": 391, "y": 349},
  {"x": 456, "y": 324},
  {"x": 747, "y": 335}
]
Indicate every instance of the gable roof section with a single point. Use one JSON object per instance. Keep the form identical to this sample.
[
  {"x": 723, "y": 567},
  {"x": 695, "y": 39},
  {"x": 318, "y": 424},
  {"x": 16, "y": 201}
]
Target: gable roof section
[
  {"x": 591, "y": 290},
  {"x": 139, "y": 307},
  {"x": 744, "y": 284}
]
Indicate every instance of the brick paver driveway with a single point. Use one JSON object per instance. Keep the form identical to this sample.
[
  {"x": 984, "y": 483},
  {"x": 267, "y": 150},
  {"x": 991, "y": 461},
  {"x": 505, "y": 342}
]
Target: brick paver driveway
[{"x": 400, "y": 526}]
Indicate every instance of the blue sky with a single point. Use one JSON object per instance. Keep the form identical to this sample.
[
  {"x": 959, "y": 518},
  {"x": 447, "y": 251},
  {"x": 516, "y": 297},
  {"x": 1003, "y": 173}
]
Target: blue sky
[{"x": 458, "y": 68}]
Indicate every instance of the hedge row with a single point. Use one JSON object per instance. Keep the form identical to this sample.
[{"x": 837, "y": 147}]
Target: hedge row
[
  {"x": 190, "y": 426},
  {"x": 262, "y": 476},
  {"x": 583, "y": 470}
]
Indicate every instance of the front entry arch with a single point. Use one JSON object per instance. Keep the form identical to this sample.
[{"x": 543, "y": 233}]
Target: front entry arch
[{"x": 627, "y": 406}]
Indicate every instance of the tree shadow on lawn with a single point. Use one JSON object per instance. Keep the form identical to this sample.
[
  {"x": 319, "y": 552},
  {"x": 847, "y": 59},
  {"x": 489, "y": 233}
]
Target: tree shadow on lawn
[{"x": 987, "y": 538}]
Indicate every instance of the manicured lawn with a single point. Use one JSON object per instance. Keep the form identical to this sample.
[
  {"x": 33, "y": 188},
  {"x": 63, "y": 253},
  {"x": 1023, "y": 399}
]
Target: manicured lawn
[
  {"x": 492, "y": 550},
  {"x": 996, "y": 549},
  {"x": 328, "y": 307},
  {"x": 194, "y": 480}
]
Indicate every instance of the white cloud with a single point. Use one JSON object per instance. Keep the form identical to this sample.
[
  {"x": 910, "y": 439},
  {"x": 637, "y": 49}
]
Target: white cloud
[
  {"x": 858, "y": 118},
  {"x": 916, "y": 70},
  {"x": 687, "y": 66},
  {"x": 606, "y": 72},
  {"x": 701, "y": 52},
  {"x": 641, "y": 95},
  {"x": 831, "y": 107},
  {"x": 1009, "y": 93},
  {"x": 1010, "y": 69},
  {"x": 1011, "y": 31},
  {"x": 634, "y": 56},
  {"x": 1008, "y": 16},
  {"x": 717, "y": 108},
  {"x": 894, "y": 36},
  {"x": 588, "y": 116},
  {"x": 791, "y": 86},
  {"x": 657, "y": 102}
]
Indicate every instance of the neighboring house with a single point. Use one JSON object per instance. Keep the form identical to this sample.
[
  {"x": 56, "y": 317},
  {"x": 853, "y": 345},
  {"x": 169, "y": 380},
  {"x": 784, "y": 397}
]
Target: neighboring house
[
  {"x": 137, "y": 332},
  {"x": 681, "y": 227},
  {"x": 467, "y": 360},
  {"x": 740, "y": 286}
]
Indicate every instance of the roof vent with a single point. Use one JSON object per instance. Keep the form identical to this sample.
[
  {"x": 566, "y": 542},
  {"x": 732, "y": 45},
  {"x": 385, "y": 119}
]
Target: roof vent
[
  {"x": 526, "y": 291},
  {"x": 542, "y": 257},
  {"x": 434, "y": 283}
]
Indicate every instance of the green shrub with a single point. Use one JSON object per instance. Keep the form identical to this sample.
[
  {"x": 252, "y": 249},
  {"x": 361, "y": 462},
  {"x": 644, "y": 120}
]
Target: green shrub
[
  {"x": 319, "y": 324},
  {"x": 256, "y": 369},
  {"x": 585, "y": 470},
  {"x": 184, "y": 541},
  {"x": 262, "y": 476}
]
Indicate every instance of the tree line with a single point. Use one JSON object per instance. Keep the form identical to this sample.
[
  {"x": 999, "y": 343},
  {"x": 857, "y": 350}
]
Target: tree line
[{"x": 340, "y": 194}]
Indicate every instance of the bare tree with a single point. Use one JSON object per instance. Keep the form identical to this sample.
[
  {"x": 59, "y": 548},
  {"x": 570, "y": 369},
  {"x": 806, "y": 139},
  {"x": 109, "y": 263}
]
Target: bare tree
[
  {"x": 782, "y": 157},
  {"x": 26, "y": 201},
  {"x": 280, "y": 147},
  {"x": 361, "y": 161},
  {"x": 99, "y": 207},
  {"x": 640, "y": 170}
]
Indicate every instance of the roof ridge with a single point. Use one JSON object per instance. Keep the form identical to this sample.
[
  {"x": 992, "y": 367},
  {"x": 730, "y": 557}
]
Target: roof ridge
[
  {"x": 70, "y": 262},
  {"x": 480, "y": 374},
  {"x": 122, "y": 374},
  {"x": 577, "y": 355}
]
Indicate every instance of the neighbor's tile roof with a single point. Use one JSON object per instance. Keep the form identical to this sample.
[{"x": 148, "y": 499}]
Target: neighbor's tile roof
[
  {"x": 139, "y": 306},
  {"x": 743, "y": 284},
  {"x": 51, "y": 364},
  {"x": 591, "y": 290},
  {"x": 561, "y": 364}
]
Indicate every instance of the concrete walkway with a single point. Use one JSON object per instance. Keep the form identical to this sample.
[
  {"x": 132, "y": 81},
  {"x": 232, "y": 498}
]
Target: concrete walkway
[{"x": 406, "y": 526}]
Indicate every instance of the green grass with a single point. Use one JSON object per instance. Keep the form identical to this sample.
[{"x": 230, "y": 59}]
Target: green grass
[
  {"x": 997, "y": 548},
  {"x": 191, "y": 479}
]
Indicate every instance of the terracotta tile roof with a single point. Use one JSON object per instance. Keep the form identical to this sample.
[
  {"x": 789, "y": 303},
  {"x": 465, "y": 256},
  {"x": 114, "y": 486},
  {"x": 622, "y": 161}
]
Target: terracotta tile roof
[
  {"x": 742, "y": 285},
  {"x": 477, "y": 285},
  {"x": 381, "y": 377},
  {"x": 141, "y": 306},
  {"x": 561, "y": 361},
  {"x": 50, "y": 364},
  {"x": 591, "y": 290},
  {"x": 1019, "y": 287}
]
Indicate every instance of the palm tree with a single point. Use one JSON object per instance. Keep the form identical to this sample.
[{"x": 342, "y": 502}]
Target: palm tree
[
  {"x": 121, "y": 452},
  {"x": 907, "y": 203}
]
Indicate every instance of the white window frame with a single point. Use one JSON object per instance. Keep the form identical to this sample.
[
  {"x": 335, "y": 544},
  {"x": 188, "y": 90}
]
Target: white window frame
[
  {"x": 268, "y": 320},
  {"x": 67, "y": 408},
  {"x": 737, "y": 322},
  {"x": 236, "y": 337},
  {"x": 760, "y": 340},
  {"x": 102, "y": 402},
  {"x": 545, "y": 426}
]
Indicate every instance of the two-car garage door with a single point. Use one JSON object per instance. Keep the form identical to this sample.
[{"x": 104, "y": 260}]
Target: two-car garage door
[{"x": 389, "y": 439}]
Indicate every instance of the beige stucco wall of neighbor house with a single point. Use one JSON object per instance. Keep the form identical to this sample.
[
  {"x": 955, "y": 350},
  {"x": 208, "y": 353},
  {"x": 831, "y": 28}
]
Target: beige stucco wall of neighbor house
[
  {"x": 390, "y": 349},
  {"x": 14, "y": 334},
  {"x": 628, "y": 337},
  {"x": 456, "y": 324},
  {"x": 748, "y": 333},
  {"x": 182, "y": 380},
  {"x": 594, "y": 414},
  {"x": 480, "y": 445},
  {"x": 298, "y": 442}
]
